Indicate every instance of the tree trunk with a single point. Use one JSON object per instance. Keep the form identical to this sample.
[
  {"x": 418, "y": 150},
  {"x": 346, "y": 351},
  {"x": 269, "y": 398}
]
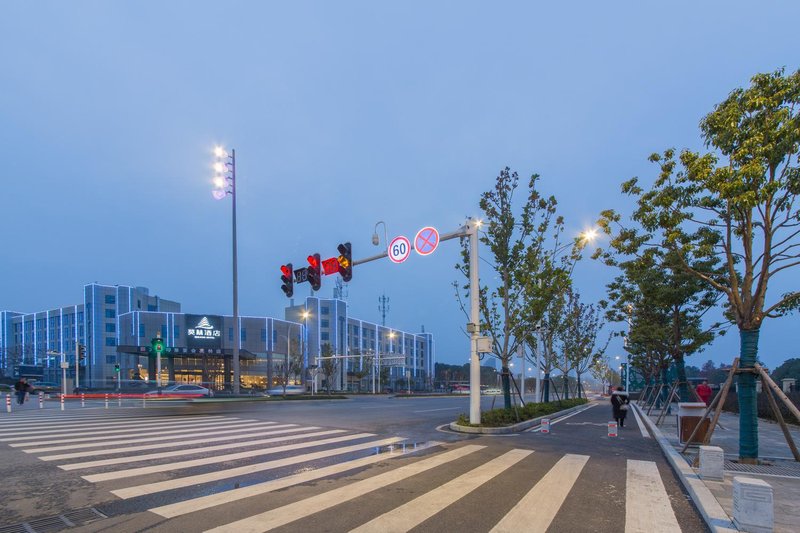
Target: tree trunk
[
  {"x": 546, "y": 391},
  {"x": 579, "y": 383},
  {"x": 683, "y": 386},
  {"x": 665, "y": 389},
  {"x": 748, "y": 412},
  {"x": 566, "y": 386},
  {"x": 506, "y": 386}
]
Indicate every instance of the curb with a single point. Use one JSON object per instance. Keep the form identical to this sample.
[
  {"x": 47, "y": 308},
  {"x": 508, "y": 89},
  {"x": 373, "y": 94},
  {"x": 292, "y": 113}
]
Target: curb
[
  {"x": 712, "y": 512},
  {"x": 521, "y": 426}
]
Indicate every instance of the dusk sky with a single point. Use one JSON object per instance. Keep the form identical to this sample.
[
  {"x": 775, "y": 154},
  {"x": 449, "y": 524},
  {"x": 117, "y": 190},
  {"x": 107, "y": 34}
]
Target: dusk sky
[{"x": 342, "y": 114}]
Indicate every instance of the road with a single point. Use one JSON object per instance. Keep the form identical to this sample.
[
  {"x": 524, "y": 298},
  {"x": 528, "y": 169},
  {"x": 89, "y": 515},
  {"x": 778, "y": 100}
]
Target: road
[{"x": 364, "y": 464}]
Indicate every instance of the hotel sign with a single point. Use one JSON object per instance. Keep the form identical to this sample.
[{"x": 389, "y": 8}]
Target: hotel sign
[{"x": 203, "y": 331}]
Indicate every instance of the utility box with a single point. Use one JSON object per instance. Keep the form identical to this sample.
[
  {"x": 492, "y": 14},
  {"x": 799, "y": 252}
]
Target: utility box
[{"x": 690, "y": 414}]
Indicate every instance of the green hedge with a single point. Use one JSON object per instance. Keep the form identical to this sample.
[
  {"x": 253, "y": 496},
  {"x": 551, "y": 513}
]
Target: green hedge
[{"x": 506, "y": 417}]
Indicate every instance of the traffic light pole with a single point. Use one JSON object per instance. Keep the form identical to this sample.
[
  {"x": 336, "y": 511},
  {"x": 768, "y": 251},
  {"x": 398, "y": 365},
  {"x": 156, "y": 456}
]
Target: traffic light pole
[
  {"x": 469, "y": 229},
  {"x": 77, "y": 365}
]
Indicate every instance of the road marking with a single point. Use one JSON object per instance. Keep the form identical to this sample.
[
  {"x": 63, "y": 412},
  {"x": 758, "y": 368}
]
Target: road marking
[
  {"x": 68, "y": 421},
  {"x": 536, "y": 510},
  {"x": 152, "y": 488},
  {"x": 647, "y": 504},
  {"x": 272, "y": 428},
  {"x": 133, "y": 472},
  {"x": 441, "y": 409},
  {"x": 87, "y": 429},
  {"x": 212, "y": 500},
  {"x": 639, "y": 423},
  {"x": 416, "y": 511},
  {"x": 560, "y": 419},
  {"x": 177, "y": 453},
  {"x": 297, "y": 510},
  {"x": 87, "y": 442}
]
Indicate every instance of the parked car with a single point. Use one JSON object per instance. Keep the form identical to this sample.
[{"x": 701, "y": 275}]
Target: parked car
[
  {"x": 291, "y": 390},
  {"x": 182, "y": 389},
  {"x": 44, "y": 386}
]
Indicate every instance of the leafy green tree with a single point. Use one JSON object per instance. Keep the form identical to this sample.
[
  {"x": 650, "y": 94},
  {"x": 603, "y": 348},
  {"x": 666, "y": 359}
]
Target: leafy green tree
[
  {"x": 736, "y": 204},
  {"x": 788, "y": 369},
  {"x": 579, "y": 336},
  {"x": 329, "y": 366},
  {"x": 511, "y": 235}
]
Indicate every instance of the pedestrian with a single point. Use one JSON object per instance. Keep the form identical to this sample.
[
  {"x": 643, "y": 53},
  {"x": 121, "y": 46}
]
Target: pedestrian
[
  {"x": 21, "y": 387},
  {"x": 704, "y": 391},
  {"x": 619, "y": 404}
]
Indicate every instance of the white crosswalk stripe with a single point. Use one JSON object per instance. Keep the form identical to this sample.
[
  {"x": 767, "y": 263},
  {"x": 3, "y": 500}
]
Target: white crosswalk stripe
[
  {"x": 89, "y": 425},
  {"x": 224, "y": 448},
  {"x": 647, "y": 506}
]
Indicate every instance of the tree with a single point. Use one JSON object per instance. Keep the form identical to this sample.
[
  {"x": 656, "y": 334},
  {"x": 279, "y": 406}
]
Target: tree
[
  {"x": 664, "y": 303},
  {"x": 329, "y": 366},
  {"x": 736, "y": 204},
  {"x": 511, "y": 239},
  {"x": 788, "y": 369},
  {"x": 582, "y": 325}
]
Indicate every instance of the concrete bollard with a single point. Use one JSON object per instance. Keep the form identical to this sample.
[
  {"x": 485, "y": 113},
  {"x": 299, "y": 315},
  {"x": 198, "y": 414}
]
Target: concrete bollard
[
  {"x": 752, "y": 505},
  {"x": 8, "y": 403},
  {"x": 712, "y": 463},
  {"x": 41, "y": 400},
  {"x": 612, "y": 429},
  {"x": 62, "y": 402},
  {"x": 545, "y": 426},
  {"x": 106, "y": 400}
]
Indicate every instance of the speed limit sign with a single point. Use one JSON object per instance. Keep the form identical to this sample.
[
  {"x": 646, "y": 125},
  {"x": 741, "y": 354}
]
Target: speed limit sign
[{"x": 399, "y": 249}]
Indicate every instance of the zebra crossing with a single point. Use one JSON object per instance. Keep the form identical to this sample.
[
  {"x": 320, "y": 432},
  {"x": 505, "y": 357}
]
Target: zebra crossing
[{"x": 198, "y": 465}]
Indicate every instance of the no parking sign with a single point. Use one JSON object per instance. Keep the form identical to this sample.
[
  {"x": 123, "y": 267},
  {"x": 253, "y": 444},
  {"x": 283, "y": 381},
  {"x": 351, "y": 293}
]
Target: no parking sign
[{"x": 426, "y": 241}]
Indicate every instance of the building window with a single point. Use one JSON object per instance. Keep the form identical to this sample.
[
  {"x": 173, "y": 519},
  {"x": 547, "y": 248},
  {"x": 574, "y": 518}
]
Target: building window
[
  {"x": 151, "y": 308},
  {"x": 163, "y": 331},
  {"x": 325, "y": 310},
  {"x": 242, "y": 334},
  {"x": 111, "y": 341},
  {"x": 111, "y": 299},
  {"x": 111, "y": 313},
  {"x": 264, "y": 335},
  {"x": 111, "y": 359},
  {"x": 274, "y": 337},
  {"x": 324, "y": 336},
  {"x": 111, "y": 328},
  {"x": 138, "y": 304},
  {"x": 176, "y": 332},
  {"x": 324, "y": 323},
  {"x": 230, "y": 334},
  {"x": 141, "y": 330}
]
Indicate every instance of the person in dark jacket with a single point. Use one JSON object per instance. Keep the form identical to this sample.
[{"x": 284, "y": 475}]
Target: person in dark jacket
[
  {"x": 619, "y": 404},
  {"x": 21, "y": 388}
]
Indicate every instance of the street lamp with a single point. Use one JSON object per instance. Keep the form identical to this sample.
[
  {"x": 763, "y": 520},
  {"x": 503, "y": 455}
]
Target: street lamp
[{"x": 225, "y": 184}]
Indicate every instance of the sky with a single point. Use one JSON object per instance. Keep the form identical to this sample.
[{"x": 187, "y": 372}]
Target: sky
[{"x": 342, "y": 114}]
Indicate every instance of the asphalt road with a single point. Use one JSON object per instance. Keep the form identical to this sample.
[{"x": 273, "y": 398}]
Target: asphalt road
[{"x": 378, "y": 463}]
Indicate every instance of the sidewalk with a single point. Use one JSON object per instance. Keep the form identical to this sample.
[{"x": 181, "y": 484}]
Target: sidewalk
[{"x": 780, "y": 470}]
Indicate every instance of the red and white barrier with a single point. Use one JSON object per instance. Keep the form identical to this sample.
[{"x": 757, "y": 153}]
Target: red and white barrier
[
  {"x": 62, "y": 401},
  {"x": 106, "y": 400},
  {"x": 545, "y": 426},
  {"x": 612, "y": 429},
  {"x": 41, "y": 400},
  {"x": 8, "y": 403},
  {"x": 83, "y": 400}
]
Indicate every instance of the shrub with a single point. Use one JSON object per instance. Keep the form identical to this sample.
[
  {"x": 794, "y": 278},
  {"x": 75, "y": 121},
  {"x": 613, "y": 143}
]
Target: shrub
[{"x": 506, "y": 417}]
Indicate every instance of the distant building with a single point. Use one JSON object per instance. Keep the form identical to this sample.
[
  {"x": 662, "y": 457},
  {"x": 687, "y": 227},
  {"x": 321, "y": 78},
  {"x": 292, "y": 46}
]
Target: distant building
[{"x": 118, "y": 323}]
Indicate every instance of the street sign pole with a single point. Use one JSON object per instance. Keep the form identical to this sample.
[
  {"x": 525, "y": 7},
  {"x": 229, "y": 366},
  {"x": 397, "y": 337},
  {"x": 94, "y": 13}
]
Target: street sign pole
[{"x": 475, "y": 319}]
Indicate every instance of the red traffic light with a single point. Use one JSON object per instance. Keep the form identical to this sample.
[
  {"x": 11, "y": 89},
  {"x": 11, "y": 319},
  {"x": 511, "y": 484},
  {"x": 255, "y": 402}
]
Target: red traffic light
[
  {"x": 286, "y": 271},
  {"x": 313, "y": 261}
]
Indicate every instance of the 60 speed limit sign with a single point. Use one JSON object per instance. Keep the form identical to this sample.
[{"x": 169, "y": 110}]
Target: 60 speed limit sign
[{"x": 399, "y": 249}]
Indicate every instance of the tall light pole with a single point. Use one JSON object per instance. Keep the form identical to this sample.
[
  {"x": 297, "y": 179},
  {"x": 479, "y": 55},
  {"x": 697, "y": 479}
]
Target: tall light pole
[
  {"x": 225, "y": 184},
  {"x": 474, "y": 326}
]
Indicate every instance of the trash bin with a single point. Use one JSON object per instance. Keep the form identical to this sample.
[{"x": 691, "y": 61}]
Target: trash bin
[{"x": 690, "y": 414}]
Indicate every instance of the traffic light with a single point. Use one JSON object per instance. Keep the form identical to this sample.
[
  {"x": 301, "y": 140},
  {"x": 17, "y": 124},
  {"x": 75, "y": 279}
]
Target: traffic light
[
  {"x": 81, "y": 352},
  {"x": 314, "y": 272},
  {"x": 157, "y": 345},
  {"x": 287, "y": 279},
  {"x": 116, "y": 368},
  {"x": 345, "y": 261}
]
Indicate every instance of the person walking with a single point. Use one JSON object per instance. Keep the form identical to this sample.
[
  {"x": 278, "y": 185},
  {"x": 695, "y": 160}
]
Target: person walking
[
  {"x": 704, "y": 391},
  {"x": 619, "y": 404},
  {"x": 21, "y": 387}
]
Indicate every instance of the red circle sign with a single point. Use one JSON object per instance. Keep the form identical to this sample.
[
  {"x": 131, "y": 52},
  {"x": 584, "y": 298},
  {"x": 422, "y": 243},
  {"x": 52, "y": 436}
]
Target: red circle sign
[
  {"x": 399, "y": 249},
  {"x": 426, "y": 241}
]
